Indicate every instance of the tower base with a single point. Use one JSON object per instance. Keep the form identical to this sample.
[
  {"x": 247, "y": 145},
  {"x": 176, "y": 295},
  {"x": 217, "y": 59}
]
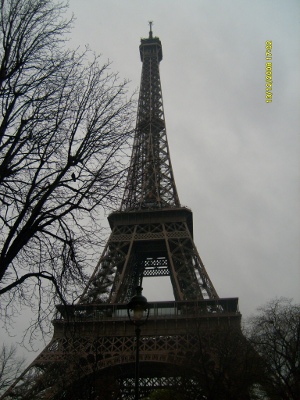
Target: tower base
[{"x": 92, "y": 352}]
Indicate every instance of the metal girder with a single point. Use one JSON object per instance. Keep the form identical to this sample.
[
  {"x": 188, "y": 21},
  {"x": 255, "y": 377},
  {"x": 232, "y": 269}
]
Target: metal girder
[
  {"x": 91, "y": 340},
  {"x": 164, "y": 247},
  {"x": 156, "y": 272},
  {"x": 150, "y": 183}
]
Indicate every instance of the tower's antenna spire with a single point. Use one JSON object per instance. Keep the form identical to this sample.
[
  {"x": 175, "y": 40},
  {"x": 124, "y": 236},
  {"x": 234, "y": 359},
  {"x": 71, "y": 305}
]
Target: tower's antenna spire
[{"x": 150, "y": 33}]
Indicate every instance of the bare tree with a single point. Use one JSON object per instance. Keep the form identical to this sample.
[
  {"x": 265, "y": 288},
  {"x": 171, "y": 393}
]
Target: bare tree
[
  {"x": 66, "y": 121},
  {"x": 226, "y": 366},
  {"x": 10, "y": 366},
  {"x": 275, "y": 334}
]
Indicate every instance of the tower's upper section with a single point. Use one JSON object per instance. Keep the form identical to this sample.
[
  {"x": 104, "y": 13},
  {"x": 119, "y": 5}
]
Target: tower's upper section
[
  {"x": 150, "y": 182},
  {"x": 150, "y": 46}
]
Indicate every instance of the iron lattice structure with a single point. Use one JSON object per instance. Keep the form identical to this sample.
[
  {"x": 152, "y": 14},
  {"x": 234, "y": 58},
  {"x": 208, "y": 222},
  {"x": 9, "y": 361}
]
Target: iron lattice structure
[
  {"x": 151, "y": 236},
  {"x": 150, "y": 182}
]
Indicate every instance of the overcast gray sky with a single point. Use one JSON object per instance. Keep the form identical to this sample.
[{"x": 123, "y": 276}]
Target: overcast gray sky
[{"x": 236, "y": 158}]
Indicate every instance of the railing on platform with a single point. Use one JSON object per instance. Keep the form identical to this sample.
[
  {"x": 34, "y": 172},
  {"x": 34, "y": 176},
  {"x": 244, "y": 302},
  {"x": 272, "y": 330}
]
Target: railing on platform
[{"x": 161, "y": 309}]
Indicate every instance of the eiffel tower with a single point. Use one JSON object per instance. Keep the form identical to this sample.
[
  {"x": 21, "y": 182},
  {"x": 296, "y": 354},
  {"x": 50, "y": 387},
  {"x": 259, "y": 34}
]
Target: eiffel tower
[{"x": 92, "y": 352}]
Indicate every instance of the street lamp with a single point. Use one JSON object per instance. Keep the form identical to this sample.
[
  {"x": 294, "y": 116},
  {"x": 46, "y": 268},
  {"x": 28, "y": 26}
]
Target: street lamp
[{"x": 138, "y": 313}]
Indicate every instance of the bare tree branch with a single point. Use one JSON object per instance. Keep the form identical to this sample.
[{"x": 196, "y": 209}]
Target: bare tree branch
[
  {"x": 66, "y": 123},
  {"x": 275, "y": 334},
  {"x": 10, "y": 366}
]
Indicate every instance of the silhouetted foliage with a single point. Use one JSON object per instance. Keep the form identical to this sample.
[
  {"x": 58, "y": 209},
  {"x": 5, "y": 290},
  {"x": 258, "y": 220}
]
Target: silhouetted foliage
[
  {"x": 226, "y": 366},
  {"x": 10, "y": 366},
  {"x": 66, "y": 120},
  {"x": 275, "y": 334}
]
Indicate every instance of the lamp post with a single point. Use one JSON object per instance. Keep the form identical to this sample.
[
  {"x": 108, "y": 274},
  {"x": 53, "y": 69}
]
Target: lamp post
[{"x": 138, "y": 313}]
